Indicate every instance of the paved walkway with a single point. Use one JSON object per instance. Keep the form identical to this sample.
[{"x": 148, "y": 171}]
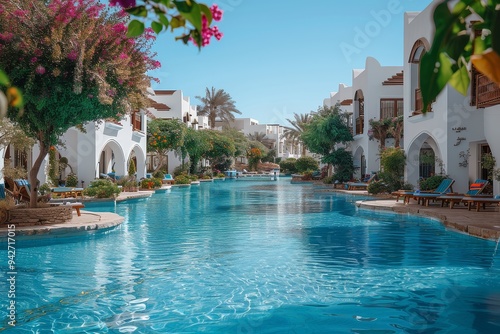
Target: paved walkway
[
  {"x": 483, "y": 224},
  {"x": 86, "y": 222}
]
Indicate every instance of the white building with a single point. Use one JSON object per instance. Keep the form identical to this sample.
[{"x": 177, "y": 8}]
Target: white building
[
  {"x": 172, "y": 104},
  {"x": 104, "y": 147},
  {"x": 451, "y": 137},
  {"x": 273, "y": 133},
  {"x": 377, "y": 92}
]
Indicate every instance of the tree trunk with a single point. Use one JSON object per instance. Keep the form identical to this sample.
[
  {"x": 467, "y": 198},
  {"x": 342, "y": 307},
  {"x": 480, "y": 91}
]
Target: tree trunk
[
  {"x": 160, "y": 164},
  {"x": 34, "y": 172},
  {"x": 212, "y": 120}
]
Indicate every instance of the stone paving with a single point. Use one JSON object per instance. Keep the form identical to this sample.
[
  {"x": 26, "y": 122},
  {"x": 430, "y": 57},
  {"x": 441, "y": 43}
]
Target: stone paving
[
  {"x": 86, "y": 222},
  {"x": 483, "y": 224}
]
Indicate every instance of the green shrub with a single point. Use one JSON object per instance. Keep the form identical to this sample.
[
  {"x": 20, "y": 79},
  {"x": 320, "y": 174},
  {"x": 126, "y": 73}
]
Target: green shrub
[
  {"x": 407, "y": 186},
  {"x": 71, "y": 180},
  {"x": 221, "y": 175},
  {"x": 151, "y": 183},
  {"x": 131, "y": 168},
  {"x": 181, "y": 170},
  {"x": 432, "y": 182},
  {"x": 329, "y": 180},
  {"x": 306, "y": 163},
  {"x": 102, "y": 188},
  {"x": 393, "y": 161},
  {"x": 288, "y": 165},
  {"x": 182, "y": 179},
  {"x": 193, "y": 177},
  {"x": 377, "y": 187},
  {"x": 159, "y": 174},
  {"x": 44, "y": 189},
  {"x": 307, "y": 175}
]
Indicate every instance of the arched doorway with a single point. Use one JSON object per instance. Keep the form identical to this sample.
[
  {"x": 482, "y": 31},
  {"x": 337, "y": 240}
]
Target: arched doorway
[
  {"x": 423, "y": 159},
  {"x": 359, "y": 161},
  {"x": 111, "y": 160}
]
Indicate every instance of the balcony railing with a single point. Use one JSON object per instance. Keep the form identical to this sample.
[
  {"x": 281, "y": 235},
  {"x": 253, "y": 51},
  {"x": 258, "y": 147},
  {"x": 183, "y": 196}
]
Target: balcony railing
[
  {"x": 360, "y": 123},
  {"x": 487, "y": 92}
]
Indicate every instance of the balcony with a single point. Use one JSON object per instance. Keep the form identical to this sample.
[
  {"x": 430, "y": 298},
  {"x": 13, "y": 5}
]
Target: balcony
[
  {"x": 136, "y": 121},
  {"x": 360, "y": 123},
  {"x": 487, "y": 92}
]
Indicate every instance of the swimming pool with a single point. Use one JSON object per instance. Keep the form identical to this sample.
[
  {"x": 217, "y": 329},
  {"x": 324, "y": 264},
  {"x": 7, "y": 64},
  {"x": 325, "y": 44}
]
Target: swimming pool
[{"x": 256, "y": 257}]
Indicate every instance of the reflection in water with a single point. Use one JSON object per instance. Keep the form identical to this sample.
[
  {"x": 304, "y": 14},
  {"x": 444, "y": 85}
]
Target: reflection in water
[{"x": 263, "y": 257}]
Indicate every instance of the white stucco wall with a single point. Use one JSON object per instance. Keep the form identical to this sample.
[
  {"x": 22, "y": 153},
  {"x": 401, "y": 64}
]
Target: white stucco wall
[
  {"x": 451, "y": 128},
  {"x": 369, "y": 81}
]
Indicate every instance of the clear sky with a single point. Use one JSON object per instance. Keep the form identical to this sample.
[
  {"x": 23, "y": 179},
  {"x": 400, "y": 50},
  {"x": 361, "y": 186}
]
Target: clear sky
[{"x": 280, "y": 57}]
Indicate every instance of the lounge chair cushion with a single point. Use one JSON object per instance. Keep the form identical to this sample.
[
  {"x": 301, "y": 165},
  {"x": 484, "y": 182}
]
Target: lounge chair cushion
[{"x": 476, "y": 186}]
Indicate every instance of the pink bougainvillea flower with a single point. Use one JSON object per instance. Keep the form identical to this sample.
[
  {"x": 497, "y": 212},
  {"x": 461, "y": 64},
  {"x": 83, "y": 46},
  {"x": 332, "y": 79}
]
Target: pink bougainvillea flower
[
  {"x": 73, "y": 55},
  {"x": 40, "y": 70},
  {"x": 119, "y": 28},
  {"x": 122, "y": 3},
  {"x": 216, "y": 12}
]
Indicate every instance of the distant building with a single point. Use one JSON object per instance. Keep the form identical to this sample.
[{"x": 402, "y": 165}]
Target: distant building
[{"x": 172, "y": 104}]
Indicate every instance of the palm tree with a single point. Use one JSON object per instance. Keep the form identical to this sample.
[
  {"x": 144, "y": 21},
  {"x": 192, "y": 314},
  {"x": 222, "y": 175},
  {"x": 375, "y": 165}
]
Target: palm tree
[
  {"x": 217, "y": 104},
  {"x": 293, "y": 133},
  {"x": 261, "y": 137}
]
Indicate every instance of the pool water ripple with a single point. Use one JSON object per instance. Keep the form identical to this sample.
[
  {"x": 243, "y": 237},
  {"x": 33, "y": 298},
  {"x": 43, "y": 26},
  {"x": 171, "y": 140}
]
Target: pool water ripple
[{"x": 263, "y": 257}]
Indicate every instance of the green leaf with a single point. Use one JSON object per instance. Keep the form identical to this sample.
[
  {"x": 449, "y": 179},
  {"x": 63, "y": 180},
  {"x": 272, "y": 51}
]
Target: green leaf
[
  {"x": 495, "y": 32},
  {"x": 207, "y": 12},
  {"x": 4, "y": 79},
  {"x": 460, "y": 80},
  {"x": 176, "y": 22},
  {"x": 135, "y": 28},
  {"x": 163, "y": 20},
  {"x": 435, "y": 66},
  {"x": 138, "y": 11},
  {"x": 156, "y": 26},
  {"x": 479, "y": 45},
  {"x": 192, "y": 13},
  {"x": 456, "y": 46}
]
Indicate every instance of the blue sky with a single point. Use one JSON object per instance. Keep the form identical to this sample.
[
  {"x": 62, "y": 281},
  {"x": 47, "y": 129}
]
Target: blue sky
[{"x": 278, "y": 58}]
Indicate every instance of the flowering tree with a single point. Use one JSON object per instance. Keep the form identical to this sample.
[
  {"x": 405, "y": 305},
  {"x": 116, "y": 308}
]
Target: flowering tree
[
  {"x": 11, "y": 97},
  {"x": 74, "y": 63},
  {"x": 193, "y": 18},
  {"x": 254, "y": 155},
  {"x": 221, "y": 149},
  {"x": 396, "y": 130},
  {"x": 164, "y": 136},
  {"x": 196, "y": 144}
]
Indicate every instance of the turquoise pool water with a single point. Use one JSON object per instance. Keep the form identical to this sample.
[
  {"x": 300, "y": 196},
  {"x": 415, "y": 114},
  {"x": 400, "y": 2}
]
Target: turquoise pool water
[{"x": 256, "y": 257}]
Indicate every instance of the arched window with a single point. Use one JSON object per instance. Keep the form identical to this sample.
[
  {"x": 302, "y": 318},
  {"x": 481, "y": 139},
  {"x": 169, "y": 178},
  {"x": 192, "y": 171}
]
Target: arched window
[
  {"x": 359, "y": 111},
  {"x": 419, "y": 49}
]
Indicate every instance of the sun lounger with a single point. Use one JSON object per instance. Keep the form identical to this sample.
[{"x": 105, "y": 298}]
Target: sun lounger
[
  {"x": 66, "y": 192},
  {"x": 477, "y": 201},
  {"x": 168, "y": 179},
  {"x": 361, "y": 185},
  {"x": 75, "y": 205},
  {"x": 475, "y": 189},
  {"x": 444, "y": 187},
  {"x": 405, "y": 194}
]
